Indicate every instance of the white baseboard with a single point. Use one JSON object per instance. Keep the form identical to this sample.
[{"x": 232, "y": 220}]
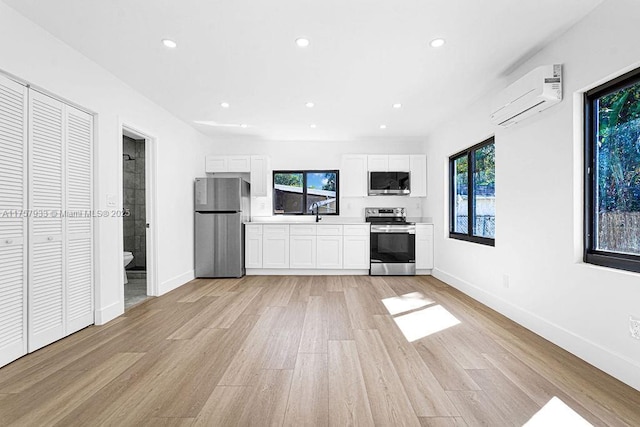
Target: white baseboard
[
  {"x": 108, "y": 313},
  {"x": 616, "y": 365},
  {"x": 303, "y": 272},
  {"x": 176, "y": 282}
]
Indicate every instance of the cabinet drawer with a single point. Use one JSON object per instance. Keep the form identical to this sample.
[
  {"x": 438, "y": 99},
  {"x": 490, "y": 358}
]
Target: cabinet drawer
[
  {"x": 275, "y": 230},
  {"x": 329, "y": 230},
  {"x": 302, "y": 230},
  {"x": 426, "y": 229},
  {"x": 253, "y": 229},
  {"x": 357, "y": 230}
]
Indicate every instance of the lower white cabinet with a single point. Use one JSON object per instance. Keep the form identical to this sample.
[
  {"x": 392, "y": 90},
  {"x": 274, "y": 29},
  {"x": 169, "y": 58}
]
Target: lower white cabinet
[
  {"x": 356, "y": 252},
  {"x": 303, "y": 252},
  {"x": 275, "y": 246},
  {"x": 329, "y": 252},
  {"x": 356, "y": 246},
  {"x": 424, "y": 246},
  {"x": 307, "y": 246},
  {"x": 253, "y": 246}
]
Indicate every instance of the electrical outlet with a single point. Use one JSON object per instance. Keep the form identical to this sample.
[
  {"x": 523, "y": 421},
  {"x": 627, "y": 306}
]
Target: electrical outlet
[
  {"x": 505, "y": 281},
  {"x": 634, "y": 327}
]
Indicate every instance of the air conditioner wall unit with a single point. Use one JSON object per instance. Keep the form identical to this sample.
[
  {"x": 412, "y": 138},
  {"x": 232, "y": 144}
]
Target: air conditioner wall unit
[{"x": 538, "y": 90}]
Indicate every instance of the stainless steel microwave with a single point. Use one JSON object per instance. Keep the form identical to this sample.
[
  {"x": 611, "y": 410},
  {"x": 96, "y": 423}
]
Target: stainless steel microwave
[{"x": 389, "y": 183}]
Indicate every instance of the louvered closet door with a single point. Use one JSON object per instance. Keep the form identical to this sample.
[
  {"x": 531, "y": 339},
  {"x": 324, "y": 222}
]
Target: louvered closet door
[
  {"x": 79, "y": 308},
  {"x": 46, "y": 227},
  {"x": 13, "y": 226}
]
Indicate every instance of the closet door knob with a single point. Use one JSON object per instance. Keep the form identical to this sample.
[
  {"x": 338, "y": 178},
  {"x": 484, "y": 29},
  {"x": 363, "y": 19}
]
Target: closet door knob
[
  {"x": 50, "y": 238},
  {"x": 9, "y": 241}
]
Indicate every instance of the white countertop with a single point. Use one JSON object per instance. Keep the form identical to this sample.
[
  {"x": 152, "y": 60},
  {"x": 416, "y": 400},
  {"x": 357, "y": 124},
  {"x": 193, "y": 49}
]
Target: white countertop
[
  {"x": 310, "y": 219},
  {"x": 306, "y": 219}
]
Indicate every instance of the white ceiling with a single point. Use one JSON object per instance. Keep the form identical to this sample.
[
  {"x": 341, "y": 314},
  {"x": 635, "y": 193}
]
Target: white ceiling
[{"x": 365, "y": 55}]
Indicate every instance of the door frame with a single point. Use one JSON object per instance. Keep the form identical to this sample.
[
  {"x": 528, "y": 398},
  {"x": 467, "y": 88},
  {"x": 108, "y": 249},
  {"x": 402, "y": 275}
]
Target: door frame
[{"x": 151, "y": 148}]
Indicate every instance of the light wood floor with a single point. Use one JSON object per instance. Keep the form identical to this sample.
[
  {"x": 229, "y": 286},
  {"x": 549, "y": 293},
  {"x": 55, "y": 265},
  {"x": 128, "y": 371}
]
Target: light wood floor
[{"x": 307, "y": 351}]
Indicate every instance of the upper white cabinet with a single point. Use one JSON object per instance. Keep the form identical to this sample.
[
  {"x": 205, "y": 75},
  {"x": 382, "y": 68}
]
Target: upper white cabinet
[
  {"x": 257, "y": 166},
  {"x": 353, "y": 175},
  {"x": 378, "y": 163},
  {"x": 239, "y": 163},
  {"x": 215, "y": 164},
  {"x": 388, "y": 163},
  {"x": 259, "y": 176},
  {"x": 424, "y": 246},
  {"x": 418, "y": 168},
  {"x": 399, "y": 163}
]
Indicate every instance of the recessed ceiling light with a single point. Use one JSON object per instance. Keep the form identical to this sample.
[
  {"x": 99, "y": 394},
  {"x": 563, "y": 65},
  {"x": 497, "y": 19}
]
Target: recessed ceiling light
[
  {"x": 312, "y": 126},
  {"x": 169, "y": 43},
  {"x": 383, "y": 126},
  {"x": 302, "y": 42},
  {"x": 224, "y": 105},
  {"x": 244, "y": 125},
  {"x": 396, "y": 106},
  {"x": 437, "y": 43},
  {"x": 309, "y": 104}
]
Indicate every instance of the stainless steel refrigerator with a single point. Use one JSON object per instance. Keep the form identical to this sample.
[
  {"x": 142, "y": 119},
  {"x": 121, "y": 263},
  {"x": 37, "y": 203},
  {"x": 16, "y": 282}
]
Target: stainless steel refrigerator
[{"x": 221, "y": 207}]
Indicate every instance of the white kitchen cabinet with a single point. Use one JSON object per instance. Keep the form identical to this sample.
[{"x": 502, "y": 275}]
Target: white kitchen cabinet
[
  {"x": 388, "y": 163},
  {"x": 378, "y": 163},
  {"x": 424, "y": 246},
  {"x": 302, "y": 243},
  {"x": 399, "y": 163},
  {"x": 216, "y": 164},
  {"x": 259, "y": 176},
  {"x": 253, "y": 246},
  {"x": 329, "y": 229},
  {"x": 329, "y": 246},
  {"x": 303, "y": 251},
  {"x": 356, "y": 246},
  {"x": 239, "y": 163},
  {"x": 303, "y": 229},
  {"x": 275, "y": 246},
  {"x": 353, "y": 175},
  {"x": 418, "y": 168},
  {"x": 329, "y": 252},
  {"x": 234, "y": 163}
]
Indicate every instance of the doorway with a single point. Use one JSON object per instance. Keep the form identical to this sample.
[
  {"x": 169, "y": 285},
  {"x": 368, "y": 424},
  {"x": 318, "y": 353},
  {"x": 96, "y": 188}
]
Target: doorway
[{"x": 137, "y": 204}]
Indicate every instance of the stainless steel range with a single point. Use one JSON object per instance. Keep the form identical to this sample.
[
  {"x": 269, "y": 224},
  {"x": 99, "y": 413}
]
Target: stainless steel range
[{"x": 393, "y": 242}]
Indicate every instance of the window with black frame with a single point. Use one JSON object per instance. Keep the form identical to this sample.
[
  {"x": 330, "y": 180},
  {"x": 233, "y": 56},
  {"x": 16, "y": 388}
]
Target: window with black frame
[
  {"x": 612, "y": 173},
  {"x": 304, "y": 192},
  {"x": 472, "y": 197}
]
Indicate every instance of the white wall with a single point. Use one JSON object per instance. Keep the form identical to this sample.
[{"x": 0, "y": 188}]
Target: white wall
[
  {"x": 289, "y": 155},
  {"x": 583, "y": 308},
  {"x": 32, "y": 54}
]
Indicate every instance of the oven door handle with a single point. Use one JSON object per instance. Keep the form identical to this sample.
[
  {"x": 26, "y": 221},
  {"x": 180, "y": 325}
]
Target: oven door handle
[{"x": 404, "y": 229}]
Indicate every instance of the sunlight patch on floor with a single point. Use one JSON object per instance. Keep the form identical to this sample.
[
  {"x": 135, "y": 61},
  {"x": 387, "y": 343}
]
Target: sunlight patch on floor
[
  {"x": 557, "y": 413},
  {"x": 406, "y": 302},
  {"x": 423, "y": 323}
]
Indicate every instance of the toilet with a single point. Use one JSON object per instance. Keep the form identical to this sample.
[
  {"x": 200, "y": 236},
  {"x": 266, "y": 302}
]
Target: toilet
[{"x": 127, "y": 258}]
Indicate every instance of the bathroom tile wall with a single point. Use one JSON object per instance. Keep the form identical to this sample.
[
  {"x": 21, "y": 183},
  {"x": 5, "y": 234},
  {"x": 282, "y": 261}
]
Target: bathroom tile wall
[{"x": 134, "y": 201}]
